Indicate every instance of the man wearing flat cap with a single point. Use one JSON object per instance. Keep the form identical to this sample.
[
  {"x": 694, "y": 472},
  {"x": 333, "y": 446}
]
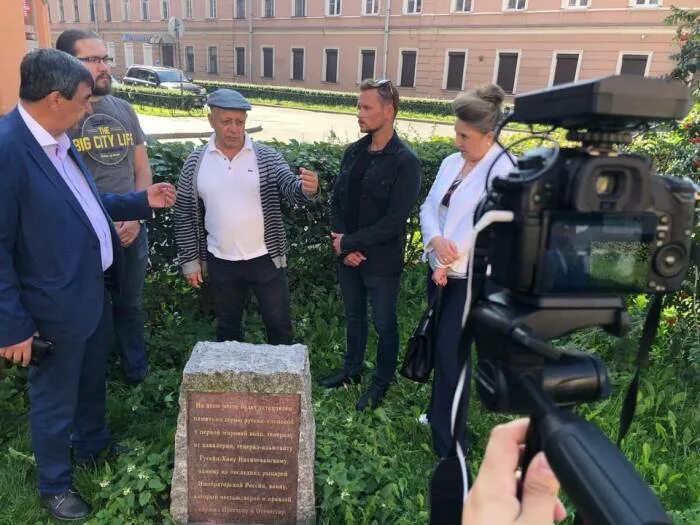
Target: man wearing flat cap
[{"x": 228, "y": 221}]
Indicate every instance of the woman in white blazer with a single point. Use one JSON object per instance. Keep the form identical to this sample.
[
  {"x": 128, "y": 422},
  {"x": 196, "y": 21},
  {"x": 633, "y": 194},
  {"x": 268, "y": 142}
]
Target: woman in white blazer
[{"x": 447, "y": 220}]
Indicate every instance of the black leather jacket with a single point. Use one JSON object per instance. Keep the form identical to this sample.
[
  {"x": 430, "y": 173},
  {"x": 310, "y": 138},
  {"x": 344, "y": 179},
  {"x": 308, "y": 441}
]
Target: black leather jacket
[{"x": 389, "y": 191}]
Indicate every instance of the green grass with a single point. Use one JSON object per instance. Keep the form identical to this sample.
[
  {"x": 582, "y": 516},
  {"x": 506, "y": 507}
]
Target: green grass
[{"x": 370, "y": 467}]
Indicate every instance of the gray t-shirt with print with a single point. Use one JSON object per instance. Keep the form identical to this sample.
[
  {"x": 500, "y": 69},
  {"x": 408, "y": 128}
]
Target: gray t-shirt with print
[{"x": 107, "y": 139}]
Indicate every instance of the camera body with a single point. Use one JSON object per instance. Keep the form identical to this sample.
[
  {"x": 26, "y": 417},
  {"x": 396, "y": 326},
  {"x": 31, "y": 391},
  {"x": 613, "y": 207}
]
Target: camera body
[{"x": 590, "y": 221}]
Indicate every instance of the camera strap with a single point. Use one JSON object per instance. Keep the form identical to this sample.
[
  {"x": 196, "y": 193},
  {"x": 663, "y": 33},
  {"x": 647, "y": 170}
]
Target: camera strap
[{"x": 651, "y": 325}]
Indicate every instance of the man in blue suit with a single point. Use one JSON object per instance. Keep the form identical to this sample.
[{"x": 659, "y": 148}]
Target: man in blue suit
[{"x": 59, "y": 256}]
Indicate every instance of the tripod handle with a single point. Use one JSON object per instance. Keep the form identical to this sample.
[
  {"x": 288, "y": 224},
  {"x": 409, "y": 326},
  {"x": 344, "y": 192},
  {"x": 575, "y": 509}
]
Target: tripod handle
[{"x": 602, "y": 483}]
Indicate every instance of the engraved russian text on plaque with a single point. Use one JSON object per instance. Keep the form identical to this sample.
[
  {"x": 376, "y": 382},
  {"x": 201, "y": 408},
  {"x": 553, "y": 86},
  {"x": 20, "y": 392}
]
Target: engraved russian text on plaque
[{"x": 242, "y": 457}]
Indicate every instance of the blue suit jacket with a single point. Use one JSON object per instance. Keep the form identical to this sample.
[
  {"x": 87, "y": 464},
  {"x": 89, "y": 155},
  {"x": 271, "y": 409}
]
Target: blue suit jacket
[{"x": 51, "y": 277}]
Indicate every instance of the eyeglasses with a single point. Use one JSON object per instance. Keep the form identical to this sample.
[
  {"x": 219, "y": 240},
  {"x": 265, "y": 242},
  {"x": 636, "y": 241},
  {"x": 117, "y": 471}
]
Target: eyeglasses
[
  {"x": 379, "y": 83},
  {"x": 107, "y": 60}
]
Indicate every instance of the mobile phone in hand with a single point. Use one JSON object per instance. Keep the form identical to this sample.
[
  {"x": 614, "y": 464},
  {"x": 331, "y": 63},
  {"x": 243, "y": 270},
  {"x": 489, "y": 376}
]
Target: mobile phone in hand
[{"x": 41, "y": 349}]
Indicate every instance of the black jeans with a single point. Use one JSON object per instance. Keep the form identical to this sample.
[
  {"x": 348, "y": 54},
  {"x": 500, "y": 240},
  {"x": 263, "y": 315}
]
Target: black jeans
[
  {"x": 230, "y": 284},
  {"x": 383, "y": 290},
  {"x": 450, "y": 356}
]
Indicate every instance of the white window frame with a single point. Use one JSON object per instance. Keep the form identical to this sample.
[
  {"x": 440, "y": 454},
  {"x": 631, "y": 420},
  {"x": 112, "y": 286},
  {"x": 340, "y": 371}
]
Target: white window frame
[
  {"x": 415, "y": 4},
  {"x": 194, "y": 58},
  {"x": 324, "y": 61},
  {"x": 621, "y": 54},
  {"x": 76, "y": 13},
  {"x": 262, "y": 9},
  {"x": 294, "y": 15},
  {"x": 61, "y": 8},
  {"x": 185, "y": 4},
  {"x": 645, "y": 5},
  {"x": 262, "y": 60},
  {"x": 126, "y": 10},
  {"x": 514, "y": 9},
  {"x": 92, "y": 10},
  {"x": 218, "y": 63},
  {"x": 453, "y": 7},
  {"x": 162, "y": 13},
  {"x": 445, "y": 69},
  {"x": 141, "y": 12},
  {"x": 553, "y": 66},
  {"x": 210, "y": 16},
  {"x": 359, "y": 62},
  {"x": 337, "y": 12},
  {"x": 497, "y": 63},
  {"x": 105, "y": 3},
  {"x": 235, "y": 61},
  {"x": 291, "y": 64},
  {"x": 376, "y": 4},
  {"x": 565, "y": 4},
  {"x": 112, "y": 51},
  {"x": 128, "y": 54},
  {"x": 147, "y": 50},
  {"x": 400, "y": 68}
]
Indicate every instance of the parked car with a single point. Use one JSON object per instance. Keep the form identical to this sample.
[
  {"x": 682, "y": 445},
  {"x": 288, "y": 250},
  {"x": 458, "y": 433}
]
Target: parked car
[{"x": 165, "y": 78}]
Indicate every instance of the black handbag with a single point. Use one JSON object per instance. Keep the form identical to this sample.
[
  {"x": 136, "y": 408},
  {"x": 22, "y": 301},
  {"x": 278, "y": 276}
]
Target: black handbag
[{"x": 418, "y": 361}]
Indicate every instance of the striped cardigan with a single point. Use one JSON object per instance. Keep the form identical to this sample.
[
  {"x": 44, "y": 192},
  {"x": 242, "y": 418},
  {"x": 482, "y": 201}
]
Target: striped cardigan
[{"x": 276, "y": 180}]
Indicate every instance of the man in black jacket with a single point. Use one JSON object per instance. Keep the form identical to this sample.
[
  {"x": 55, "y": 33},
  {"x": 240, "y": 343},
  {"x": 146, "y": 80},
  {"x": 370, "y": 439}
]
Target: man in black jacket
[{"x": 377, "y": 187}]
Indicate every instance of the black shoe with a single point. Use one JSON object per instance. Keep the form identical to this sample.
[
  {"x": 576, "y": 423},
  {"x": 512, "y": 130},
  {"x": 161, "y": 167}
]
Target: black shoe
[
  {"x": 67, "y": 506},
  {"x": 339, "y": 379},
  {"x": 113, "y": 451},
  {"x": 372, "y": 397}
]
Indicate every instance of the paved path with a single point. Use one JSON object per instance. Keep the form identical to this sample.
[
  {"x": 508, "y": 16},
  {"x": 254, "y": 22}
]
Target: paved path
[{"x": 285, "y": 124}]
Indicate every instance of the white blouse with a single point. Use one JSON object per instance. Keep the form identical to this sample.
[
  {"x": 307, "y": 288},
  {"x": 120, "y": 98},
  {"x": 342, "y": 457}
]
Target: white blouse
[{"x": 457, "y": 221}]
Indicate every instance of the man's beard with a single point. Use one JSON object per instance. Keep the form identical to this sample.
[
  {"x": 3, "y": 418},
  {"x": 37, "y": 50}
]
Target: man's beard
[{"x": 102, "y": 90}]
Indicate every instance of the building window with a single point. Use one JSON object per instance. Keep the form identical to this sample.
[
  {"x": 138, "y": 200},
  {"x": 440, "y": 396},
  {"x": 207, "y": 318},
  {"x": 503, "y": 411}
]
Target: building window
[
  {"x": 575, "y": 4},
  {"x": 268, "y": 62},
  {"x": 213, "y": 60},
  {"x": 91, "y": 7},
  {"x": 297, "y": 63},
  {"x": 514, "y": 5},
  {"x": 164, "y": 9},
  {"x": 367, "y": 58},
  {"x": 111, "y": 51},
  {"x": 189, "y": 59},
  {"x": 126, "y": 10},
  {"x": 212, "y": 9},
  {"x": 565, "y": 68},
  {"x": 76, "y": 11},
  {"x": 299, "y": 7},
  {"x": 240, "y": 9},
  {"x": 633, "y": 64},
  {"x": 128, "y": 54},
  {"x": 645, "y": 3},
  {"x": 333, "y": 7},
  {"x": 61, "y": 12},
  {"x": 108, "y": 10},
  {"x": 461, "y": 6},
  {"x": 507, "y": 68},
  {"x": 240, "y": 61},
  {"x": 370, "y": 7},
  {"x": 147, "y": 55},
  {"x": 187, "y": 8},
  {"x": 330, "y": 65},
  {"x": 454, "y": 76},
  {"x": 144, "y": 9},
  {"x": 413, "y": 7},
  {"x": 407, "y": 67},
  {"x": 268, "y": 8}
]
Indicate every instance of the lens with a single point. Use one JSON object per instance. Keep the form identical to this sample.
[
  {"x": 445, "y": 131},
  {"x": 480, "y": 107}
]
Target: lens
[{"x": 606, "y": 183}]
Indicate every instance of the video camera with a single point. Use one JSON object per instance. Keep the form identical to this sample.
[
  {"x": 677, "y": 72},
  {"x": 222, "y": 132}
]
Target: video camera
[{"x": 589, "y": 224}]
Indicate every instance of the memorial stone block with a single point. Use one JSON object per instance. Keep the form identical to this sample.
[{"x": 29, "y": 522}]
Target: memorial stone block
[{"x": 244, "y": 445}]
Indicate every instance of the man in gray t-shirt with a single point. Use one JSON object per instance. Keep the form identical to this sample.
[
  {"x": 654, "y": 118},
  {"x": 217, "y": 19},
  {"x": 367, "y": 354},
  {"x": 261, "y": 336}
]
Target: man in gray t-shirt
[{"x": 111, "y": 142}]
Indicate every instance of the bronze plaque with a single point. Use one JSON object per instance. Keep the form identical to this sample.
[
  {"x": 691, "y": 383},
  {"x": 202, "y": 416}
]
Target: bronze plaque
[{"x": 242, "y": 457}]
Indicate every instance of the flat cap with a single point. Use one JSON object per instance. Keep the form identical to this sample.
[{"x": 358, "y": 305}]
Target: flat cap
[{"x": 228, "y": 99}]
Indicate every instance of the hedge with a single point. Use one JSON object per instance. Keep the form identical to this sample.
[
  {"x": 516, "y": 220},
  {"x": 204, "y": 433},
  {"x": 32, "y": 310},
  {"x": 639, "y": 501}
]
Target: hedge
[{"x": 158, "y": 98}]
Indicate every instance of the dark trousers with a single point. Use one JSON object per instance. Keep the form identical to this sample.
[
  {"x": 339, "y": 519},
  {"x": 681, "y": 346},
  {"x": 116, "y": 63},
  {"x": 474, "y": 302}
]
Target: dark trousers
[
  {"x": 67, "y": 404},
  {"x": 230, "y": 284},
  {"x": 356, "y": 286},
  {"x": 129, "y": 318},
  {"x": 450, "y": 355}
]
